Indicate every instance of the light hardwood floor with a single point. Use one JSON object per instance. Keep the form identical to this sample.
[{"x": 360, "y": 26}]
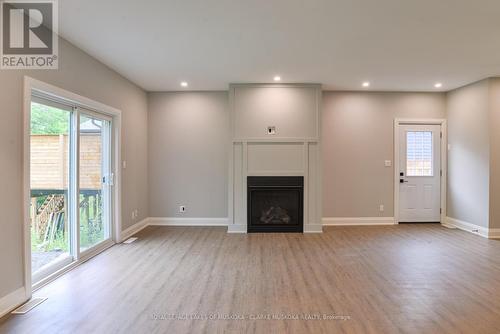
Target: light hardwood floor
[{"x": 393, "y": 279}]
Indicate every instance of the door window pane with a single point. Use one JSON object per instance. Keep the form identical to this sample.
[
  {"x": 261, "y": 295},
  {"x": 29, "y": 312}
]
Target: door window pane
[
  {"x": 419, "y": 153},
  {"x": 92, "y": 197},
  {"x": 49, "y": 172}
]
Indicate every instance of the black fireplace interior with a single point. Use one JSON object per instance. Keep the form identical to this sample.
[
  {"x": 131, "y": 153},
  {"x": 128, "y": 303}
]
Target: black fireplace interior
[{"x": 275, "y": 203}]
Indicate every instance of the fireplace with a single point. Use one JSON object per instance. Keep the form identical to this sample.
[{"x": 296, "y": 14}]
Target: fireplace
[
  {"x": 275, "y": 133},
  {"x": 275, "y": 203}
]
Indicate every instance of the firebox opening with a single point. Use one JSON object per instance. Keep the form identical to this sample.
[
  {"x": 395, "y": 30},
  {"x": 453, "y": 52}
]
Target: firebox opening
[{"x": 275, "y": 203}]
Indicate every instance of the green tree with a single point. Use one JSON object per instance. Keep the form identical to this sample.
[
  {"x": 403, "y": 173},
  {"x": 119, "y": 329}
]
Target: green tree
[{"x": 46, "y": 120}]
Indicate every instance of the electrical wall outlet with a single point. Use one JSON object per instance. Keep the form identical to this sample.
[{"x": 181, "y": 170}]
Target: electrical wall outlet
[
  {"x": 381, "y": 208},
  {"x": 388, "y": 163},
  {"x": 271, "y": 130},
  {"x": 135, "y": 214},
  {"x": 182, "y": 209}
]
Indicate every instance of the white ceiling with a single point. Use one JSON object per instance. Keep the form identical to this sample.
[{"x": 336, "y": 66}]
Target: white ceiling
[{"x": 401, "y": 45}]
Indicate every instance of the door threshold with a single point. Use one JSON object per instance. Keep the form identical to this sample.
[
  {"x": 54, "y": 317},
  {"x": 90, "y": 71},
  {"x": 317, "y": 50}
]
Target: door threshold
[
  {"x": 28, "y": 306},
  {"x": 84, "y": 258}
]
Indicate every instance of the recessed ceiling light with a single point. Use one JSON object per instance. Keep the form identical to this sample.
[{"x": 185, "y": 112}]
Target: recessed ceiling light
[
  {"x": 366, "y": 84},
  {"x": 184, "y": 84},
  {"x": 438, "y": 85},
  {"x": 277, "y": 78}
]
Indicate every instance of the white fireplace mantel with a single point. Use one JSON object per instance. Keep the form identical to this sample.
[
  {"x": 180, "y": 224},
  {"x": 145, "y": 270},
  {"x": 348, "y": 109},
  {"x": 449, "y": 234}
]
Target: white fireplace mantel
[{"x": 294, "y": 149}]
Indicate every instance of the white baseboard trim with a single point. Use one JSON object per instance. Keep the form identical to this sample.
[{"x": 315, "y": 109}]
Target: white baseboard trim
[
  {"x": 357, "y": 221},
  {"x": 490, "y": 233},
  {"x": 175, "y": 221},
  {"x": 313, "y": 228},
  {"x": 235, "y": 228},
  {"x": 130, "y": 231},
  {"x": 12, "y": 301}
]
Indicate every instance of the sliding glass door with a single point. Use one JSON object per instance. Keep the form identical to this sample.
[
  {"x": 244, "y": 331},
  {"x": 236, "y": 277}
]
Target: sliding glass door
[
  {"x": 71, "y": 181},
  {"x": 95, "y": 179},
  {"x": 49, "y": 181}
]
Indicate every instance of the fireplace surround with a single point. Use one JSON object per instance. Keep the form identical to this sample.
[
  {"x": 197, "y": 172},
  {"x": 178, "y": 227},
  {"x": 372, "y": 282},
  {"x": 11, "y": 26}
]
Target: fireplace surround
[
  {"x": 290, "y": 151},
  {"x": 275, "y": 204}
]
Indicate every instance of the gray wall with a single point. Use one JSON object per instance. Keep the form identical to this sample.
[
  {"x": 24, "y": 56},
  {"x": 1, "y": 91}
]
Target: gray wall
[
  {"x": 81, "y": 74},
  {"x": 188, "y": 147},
  {"x": 494, "y": 153},
  {"x": 469, "y": 153},
  {"x": 293, "y": 110},
  {"x": 188, "y": 154},
  {"x": 357, "y": 132}
]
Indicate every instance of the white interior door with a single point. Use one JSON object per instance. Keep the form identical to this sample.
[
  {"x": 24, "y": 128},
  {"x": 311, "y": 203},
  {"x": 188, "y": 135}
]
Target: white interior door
[{"x": 420, "y": 173}]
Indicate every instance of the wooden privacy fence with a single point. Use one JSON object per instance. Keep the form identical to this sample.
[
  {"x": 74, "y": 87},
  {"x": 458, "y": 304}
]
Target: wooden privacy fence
[
  {"x": 50, "y": 162},
  {"x": 50, "y": 180}
]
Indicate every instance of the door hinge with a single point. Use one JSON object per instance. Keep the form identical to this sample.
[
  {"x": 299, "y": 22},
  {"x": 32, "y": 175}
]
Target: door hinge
[
  {"x": 440, "y": 210},
  {"x": 441, "y": 172},
  {"x": 441, "y": 135}
]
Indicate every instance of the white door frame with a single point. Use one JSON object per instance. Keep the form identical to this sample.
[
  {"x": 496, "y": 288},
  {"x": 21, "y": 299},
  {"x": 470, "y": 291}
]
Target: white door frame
[
  {"x": 31, "y": 85},
  {"x": 444, "y": 156}
]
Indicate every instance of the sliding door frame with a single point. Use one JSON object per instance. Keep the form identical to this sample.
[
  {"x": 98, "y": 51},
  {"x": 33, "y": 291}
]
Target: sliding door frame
[{"x": 30, "y": 86}]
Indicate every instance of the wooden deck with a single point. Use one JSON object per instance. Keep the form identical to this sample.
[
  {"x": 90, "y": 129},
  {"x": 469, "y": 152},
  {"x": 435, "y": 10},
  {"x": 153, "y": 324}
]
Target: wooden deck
[{"x": 420, "y": 278}]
